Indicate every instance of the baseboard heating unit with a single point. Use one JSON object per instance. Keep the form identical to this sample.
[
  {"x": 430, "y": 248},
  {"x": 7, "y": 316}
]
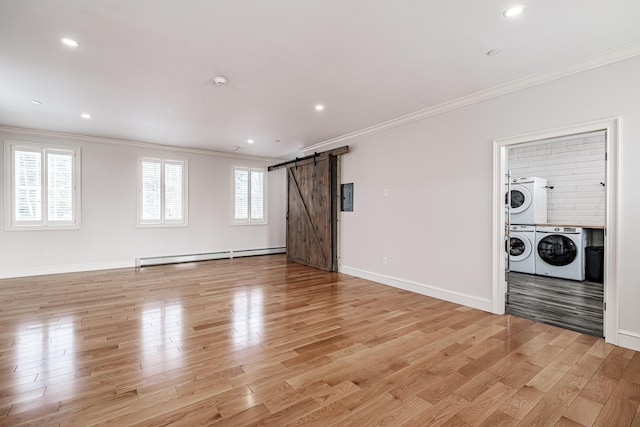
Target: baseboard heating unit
[{"x": 207, "y": 256}]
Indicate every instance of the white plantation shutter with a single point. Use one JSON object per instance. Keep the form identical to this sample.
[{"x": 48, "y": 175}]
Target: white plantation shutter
[
  {"x": 162, "y": 192},
  {"x": 27, "y": 168},
  {"x": 257, "y": 195},
  {"x": 151, "y": 191},
  {"x": 241, "y": 194},
  {"x": 45, "y": 186},
  {"x": 249, "y": 199},
  {"x": 173, "y": 199},
  {"x": 60, "y": 186}
]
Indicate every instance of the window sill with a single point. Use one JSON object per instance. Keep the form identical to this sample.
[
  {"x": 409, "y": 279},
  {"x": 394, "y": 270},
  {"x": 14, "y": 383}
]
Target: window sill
[
  {"x": 162, "y": 225},
  {"x": 42, "y": 227}
]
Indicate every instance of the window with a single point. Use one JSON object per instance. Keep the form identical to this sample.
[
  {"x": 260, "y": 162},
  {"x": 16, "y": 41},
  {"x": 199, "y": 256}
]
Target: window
[
  {"x": 43, "y": 186},
  {"x": 162, "y": 192},
  {"x": 248, "y": 195}
]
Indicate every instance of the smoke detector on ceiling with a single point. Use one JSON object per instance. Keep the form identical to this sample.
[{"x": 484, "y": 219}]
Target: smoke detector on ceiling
[{"x": 220, "y": 81}]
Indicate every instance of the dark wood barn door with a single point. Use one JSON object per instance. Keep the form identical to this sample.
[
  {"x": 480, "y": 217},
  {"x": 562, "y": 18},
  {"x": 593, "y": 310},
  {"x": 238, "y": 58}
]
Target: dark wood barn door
[{"x": 312, "y": 212}]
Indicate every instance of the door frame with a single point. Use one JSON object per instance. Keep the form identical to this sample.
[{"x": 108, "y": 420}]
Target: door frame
[{"x": 500, "y": 160}]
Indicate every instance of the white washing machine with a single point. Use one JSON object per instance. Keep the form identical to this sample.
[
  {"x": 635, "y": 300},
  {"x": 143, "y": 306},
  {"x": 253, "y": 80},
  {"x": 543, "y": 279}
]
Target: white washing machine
[
  {"x": 560, "y": 252},
  {"x": 528, "y": 201},
  {"x": 522, "y": 241}
]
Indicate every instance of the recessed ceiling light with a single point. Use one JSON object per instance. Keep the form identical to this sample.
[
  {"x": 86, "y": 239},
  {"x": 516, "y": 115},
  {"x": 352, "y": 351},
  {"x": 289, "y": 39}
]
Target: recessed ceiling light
[
  {"x": 494, "y": 52},
  {"x": 69, "y": 42},
  {"x": 85, "y": 116},
  {"x": 250, "y": 141},
  {"x": 319, "y": 107},
  {"x": 514, "y": 11},
  {"x": 35, "y": 101}
]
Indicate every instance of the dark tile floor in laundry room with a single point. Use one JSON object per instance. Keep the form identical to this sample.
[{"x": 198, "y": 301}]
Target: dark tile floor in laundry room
[{"x": 568, "y": 304}]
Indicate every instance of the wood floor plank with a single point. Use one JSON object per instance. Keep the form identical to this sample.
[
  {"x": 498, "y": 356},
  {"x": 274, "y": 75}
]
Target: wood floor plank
[
  {"x": 549, "y": 376},
  {"x": 566, "y": 422},
  {"x": 636, "y": 419},
  {"x": 479, "y": 384},
  {"x": 261, "y": 341},
  {"x": 583, "y": 411},
  {"x": 500, "y": 419},
  {"x": 545, "y": 413},
  {"x": 402, "y": 413},
  {"x": 599, "y": 389},
  {"x": 442, "y": 411},
  {"x": 522, "y": 402},
  {"x": 485, "y": 404},
  {"x": 332, "y": 414},
  {"x": 621, "y": 408}
]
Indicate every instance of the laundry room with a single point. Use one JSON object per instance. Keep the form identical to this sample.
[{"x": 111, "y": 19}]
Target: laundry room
[{"x": 556, "y": 203}]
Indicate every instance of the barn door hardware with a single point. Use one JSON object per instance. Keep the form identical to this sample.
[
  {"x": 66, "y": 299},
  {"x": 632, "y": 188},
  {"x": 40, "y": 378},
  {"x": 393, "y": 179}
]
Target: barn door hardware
[{"x": 303, "y": 160}]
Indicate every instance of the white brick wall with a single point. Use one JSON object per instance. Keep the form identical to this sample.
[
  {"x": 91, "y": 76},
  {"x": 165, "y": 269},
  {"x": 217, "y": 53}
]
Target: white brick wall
[{"x": 575, "y": 167}]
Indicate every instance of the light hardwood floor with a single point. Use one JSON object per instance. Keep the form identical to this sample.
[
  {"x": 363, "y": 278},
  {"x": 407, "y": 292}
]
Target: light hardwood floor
[{"x": 259, "y": 341}]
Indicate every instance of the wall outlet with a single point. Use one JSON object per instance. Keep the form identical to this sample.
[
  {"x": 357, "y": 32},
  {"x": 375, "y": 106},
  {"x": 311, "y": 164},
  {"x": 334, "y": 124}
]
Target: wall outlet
[
  {"x": 384, "y": 260},
  {"x": 385, "y": 192},
  {"x": 46, "y": 254}
]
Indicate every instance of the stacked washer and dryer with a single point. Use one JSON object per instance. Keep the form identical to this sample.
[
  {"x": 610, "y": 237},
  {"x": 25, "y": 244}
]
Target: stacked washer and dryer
[
  {"x": 545, "y": 250},
  {"x": 528, "y": 207}
]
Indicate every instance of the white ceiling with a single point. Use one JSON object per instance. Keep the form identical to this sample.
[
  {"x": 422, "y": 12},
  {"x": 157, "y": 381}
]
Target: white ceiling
[{"x": 144, "y": 68}]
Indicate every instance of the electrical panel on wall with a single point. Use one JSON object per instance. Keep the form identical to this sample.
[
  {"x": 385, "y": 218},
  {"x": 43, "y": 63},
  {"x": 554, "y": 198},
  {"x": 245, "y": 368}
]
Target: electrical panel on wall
[{"x": 347, "y": 197}]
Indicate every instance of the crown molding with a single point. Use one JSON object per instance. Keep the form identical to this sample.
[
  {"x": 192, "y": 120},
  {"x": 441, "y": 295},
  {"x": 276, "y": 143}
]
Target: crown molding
[
  {"x": 611, "y": 56},
  {"x": 147, "y": 145}
]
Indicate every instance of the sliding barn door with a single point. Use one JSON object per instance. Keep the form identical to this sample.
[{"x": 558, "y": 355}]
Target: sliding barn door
[{"x": 312, "y": 213}]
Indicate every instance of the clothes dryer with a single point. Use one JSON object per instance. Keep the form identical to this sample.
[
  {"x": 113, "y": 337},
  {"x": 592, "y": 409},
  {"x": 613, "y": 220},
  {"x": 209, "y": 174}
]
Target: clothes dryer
[
  {"x": 560, "y": 252},
  {"x": 528, "y": 201},
  {"x": 521, "y": 248}
]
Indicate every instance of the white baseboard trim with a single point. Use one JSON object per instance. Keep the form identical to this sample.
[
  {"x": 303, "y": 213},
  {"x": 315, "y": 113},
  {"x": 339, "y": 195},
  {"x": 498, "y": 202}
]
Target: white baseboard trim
[
  {"x": 207, "y": 256},
  {"x": 138, "y": 262},
  {"x": 420, "y": 288},
  {"x": 175, "y": 259},
  {"x": 254, "y": 252},
  {"x": 68, "y": 268},
  {"x": 629, "y": 339}
]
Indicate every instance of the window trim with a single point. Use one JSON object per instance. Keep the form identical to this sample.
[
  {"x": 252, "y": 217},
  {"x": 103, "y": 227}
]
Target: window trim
[
  {"x": 249, "y": 221},
  {"x": 163, "y": 223},
  {"x": 11, "y": 224}
]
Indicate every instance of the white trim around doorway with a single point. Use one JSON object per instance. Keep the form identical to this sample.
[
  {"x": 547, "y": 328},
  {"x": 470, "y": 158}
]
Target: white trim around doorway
[{"x": 500, "y": 146}]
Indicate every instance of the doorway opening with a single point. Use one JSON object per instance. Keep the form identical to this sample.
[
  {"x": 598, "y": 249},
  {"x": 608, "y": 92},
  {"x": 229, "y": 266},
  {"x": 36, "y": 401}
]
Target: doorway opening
[{"x": 559, "y": 244}]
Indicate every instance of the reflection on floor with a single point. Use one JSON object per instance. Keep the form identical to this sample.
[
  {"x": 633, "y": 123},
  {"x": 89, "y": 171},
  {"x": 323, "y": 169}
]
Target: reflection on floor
[{"x": 565, "y": 303}]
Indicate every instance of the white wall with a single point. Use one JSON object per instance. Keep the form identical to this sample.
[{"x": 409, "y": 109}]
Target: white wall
[
  {"x": 109, "y": 238},
  {"x": 435, "y": 225},
  {"x": 575, "y": 168}
]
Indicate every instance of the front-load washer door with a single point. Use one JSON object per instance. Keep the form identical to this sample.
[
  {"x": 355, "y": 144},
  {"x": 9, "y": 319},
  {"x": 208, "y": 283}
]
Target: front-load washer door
[
  {"x": 557, "y": 250},
  {"x": 520, "y": 198},
  {"x": 519, "y": 247}
]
